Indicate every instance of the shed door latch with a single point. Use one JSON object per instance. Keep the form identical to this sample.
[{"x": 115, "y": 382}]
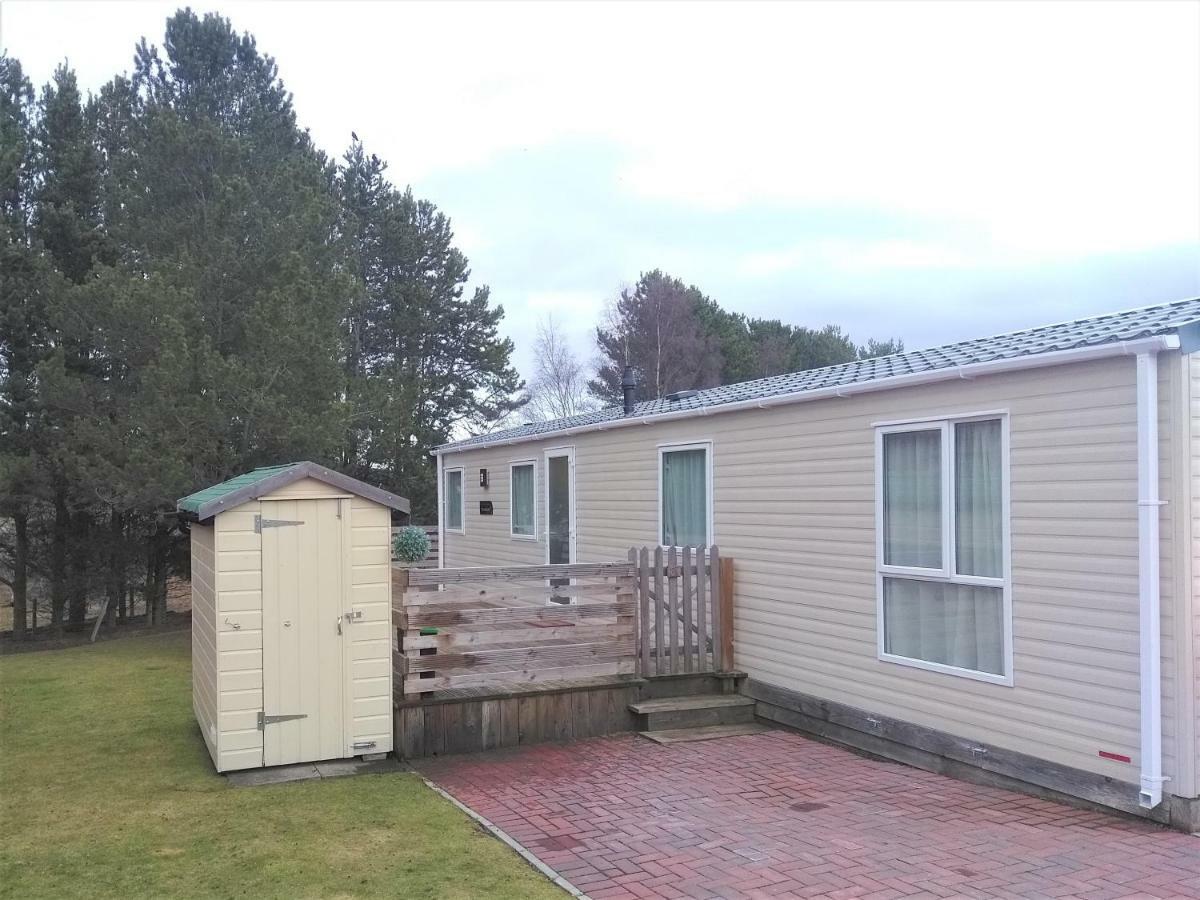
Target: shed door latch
[
  {"x": 264, "y": 720},
  {"x": 260, "y": 523}
]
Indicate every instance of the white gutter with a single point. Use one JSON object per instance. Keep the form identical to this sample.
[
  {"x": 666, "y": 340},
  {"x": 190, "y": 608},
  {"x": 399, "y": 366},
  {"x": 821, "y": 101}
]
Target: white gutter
[
  {"x": 951, "y": 373},
  {"x": 1149, "y": 609}
]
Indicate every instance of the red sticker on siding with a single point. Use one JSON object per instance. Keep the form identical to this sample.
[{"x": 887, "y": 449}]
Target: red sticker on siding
[{"x": 1118, "y": 757}]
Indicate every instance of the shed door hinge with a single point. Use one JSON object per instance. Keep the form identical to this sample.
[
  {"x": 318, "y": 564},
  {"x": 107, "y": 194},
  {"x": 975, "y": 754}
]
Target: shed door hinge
[
  {"x": 264, "y": 720},
  {"x": 260, "y": 523}
]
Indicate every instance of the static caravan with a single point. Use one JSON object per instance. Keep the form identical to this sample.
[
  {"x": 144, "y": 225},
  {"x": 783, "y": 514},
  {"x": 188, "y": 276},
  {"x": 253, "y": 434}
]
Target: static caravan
[
  {"x": 978, "y": 555},
  {"x": 291, "y": 607}
]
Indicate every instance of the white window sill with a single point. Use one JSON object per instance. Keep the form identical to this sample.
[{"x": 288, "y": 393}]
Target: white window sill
[{"x": 942, "y": 668}]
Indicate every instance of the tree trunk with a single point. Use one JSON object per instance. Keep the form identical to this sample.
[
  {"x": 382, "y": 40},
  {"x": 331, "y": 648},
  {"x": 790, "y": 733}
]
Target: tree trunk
[
  {"x": 80, "y": 551},
  {"x": 156, "y": 576},
  {"x": 20, "y": 582},
  {"x": 58, "y": 562},
  {"x": 114, "y": 589},
  {"x": 148, "y": 583}
]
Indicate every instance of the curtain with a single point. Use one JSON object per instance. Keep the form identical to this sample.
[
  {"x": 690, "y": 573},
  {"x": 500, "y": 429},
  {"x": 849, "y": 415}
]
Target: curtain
[
  {"x": 685, "y": 498},
  {"x": 522, "y": 500},
  {"x": 454, "y": 499},
  {"x": 978, "y": 540},
  {"x": 953, "y": 624},
  {"x": 912, "y": 499}
]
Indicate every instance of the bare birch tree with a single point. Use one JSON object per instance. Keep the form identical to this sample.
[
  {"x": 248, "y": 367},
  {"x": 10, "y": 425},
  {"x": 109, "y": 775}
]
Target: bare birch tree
[{"x": 559, "y": 386}]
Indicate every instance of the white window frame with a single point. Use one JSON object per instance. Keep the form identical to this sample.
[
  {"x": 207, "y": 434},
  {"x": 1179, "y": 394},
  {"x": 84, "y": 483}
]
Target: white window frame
[
  {"x": 516, "y": 464},
  {"x": 947, "y": 574},
  {"x": 707, "y": 447},
  {"x": 462, "y": 498}
]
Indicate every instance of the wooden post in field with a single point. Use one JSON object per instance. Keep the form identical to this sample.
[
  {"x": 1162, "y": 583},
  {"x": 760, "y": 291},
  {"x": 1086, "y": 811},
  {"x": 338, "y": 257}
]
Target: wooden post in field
[{"x": 726, "y": 614}]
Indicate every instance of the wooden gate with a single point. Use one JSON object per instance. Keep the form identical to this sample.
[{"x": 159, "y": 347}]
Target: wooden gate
[{"x": 685, "y": 610}]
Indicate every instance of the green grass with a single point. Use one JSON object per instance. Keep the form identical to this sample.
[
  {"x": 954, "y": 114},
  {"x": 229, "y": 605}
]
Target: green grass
[{"x": 106, "y": 790}]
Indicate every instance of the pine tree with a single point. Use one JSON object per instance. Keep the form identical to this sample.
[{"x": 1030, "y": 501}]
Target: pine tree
[
  {"x": 67, "y": 224},
  {"x": 26, "y": 282},
  {"x": 657, "y": 328},
  {"x": 424, "y": 358}
]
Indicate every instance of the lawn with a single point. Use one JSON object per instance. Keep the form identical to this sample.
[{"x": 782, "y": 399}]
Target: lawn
[{"x": 106, "y": 790}]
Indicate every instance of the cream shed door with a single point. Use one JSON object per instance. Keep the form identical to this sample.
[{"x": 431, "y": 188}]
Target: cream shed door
[{"x": 304, "y": 676}]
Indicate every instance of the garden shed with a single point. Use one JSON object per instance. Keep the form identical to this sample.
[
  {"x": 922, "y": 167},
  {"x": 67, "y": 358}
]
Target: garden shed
[{"x": 291, "y": 606}]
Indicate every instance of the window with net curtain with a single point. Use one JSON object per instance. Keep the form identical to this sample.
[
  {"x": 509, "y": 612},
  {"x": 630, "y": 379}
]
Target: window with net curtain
[
  {"x": 454, "y": 499},
  {"x": 523, "y": 500},
  {"x": 943, "y": 556},
  {"x": 684, "y": 497}
]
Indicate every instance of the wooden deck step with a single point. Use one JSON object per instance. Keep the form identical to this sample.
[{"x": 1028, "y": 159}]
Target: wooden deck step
[
  {"x": 668, "y": 713},
  {"x": 698, "y": 701},
  {"x": 704, "y": 733}
]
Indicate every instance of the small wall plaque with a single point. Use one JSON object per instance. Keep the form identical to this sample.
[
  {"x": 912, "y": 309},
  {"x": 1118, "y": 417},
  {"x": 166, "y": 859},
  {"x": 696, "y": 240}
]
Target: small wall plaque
[{"x": 485, "y": 507}]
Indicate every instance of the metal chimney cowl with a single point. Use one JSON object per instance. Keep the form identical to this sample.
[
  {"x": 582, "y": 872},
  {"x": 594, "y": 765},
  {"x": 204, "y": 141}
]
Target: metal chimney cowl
[{"x": 628, "y": 387}]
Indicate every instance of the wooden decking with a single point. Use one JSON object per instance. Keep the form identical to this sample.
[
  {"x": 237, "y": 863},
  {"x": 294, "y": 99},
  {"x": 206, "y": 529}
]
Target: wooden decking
[
  {"x": 491, "y": 657},
  {"x": 475, "y": 719}
]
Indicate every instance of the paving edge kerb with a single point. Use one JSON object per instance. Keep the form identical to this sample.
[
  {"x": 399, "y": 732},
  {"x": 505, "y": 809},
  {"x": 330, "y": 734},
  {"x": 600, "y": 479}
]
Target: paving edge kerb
[{"x": 512, "y": 842}]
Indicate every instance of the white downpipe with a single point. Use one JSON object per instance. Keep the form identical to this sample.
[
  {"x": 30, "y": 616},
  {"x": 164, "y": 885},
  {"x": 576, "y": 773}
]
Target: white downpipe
[
  {"x": 441, "y": 518},
  {"x": 1150, "y": 618}
]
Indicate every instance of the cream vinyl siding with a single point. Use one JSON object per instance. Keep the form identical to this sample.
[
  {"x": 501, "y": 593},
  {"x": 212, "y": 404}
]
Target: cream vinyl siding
[
  {"x": 204, "y": 634},
  {"x": 794, "y": 506},
  {"x": 369, "y": 646},
  {"x": 487, "y": 540}
]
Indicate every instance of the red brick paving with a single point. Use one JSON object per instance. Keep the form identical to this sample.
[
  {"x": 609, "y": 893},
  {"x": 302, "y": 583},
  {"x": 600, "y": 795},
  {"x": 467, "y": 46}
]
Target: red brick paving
[{"x": 777, "y": 815}]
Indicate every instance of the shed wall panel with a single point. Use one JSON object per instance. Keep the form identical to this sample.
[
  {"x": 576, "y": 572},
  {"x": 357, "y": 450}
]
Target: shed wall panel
[
  {"x": 204, "y": 635},
  {"x": 369, "y": 653},
  {"x": 794, "y": 506},
  {"x": 239, "y": 636}
]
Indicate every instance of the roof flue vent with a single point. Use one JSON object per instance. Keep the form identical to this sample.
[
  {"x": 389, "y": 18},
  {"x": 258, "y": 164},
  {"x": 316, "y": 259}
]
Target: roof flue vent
[
  {"x": 681, "y": 395},
  {"x": 628, "y": 388}
]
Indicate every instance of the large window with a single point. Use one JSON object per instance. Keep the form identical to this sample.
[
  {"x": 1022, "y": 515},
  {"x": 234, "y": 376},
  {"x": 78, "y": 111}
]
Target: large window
[
  {"x": 523, "y": 500},
  {"x": 685, "y": 495},
  {"x": 942, "y": 501},
  {"x": 453, "y": 499}
]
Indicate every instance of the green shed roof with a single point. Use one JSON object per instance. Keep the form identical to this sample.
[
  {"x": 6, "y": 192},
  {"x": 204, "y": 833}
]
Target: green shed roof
[{"x": 206, "y": 503}]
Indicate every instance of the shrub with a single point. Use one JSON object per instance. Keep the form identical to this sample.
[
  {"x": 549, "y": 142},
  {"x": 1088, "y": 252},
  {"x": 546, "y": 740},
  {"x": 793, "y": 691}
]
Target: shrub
[{"x": 411, "y": 544}]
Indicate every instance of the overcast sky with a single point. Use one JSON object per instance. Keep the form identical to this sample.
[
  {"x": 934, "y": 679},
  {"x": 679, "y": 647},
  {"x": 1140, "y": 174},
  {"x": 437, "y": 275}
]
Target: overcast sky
[{"x": 929, "y": 171}]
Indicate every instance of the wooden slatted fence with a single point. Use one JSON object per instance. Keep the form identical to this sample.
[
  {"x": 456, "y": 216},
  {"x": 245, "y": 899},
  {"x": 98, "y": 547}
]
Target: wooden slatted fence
[
  {"x": 662, "y": 612},
  {"x": 487, "y": 627}
]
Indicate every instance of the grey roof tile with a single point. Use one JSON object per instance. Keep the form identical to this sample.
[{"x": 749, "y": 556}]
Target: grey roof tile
[{"x": 1111, "y": 328}]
